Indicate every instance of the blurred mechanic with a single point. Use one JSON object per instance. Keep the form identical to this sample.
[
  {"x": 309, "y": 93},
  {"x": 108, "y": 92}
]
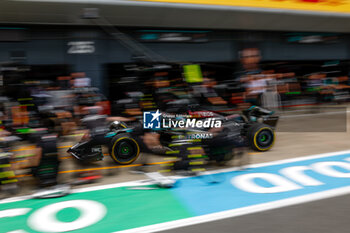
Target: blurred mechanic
[
  {"x": 81, "y": 80},
  {"x": 46, "y": 162},
  {"x": 251, "y": 82}
]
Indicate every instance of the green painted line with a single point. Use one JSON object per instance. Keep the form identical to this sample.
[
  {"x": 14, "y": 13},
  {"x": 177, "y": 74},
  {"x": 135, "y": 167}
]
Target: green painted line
[
  {"x": 172, "y": 152},
  {"x": 195, "y": 156},
  {"x": 313, "y": 89},
  {"x": 9, "y": 181},
  {"x": 194, "y": 148},
  {"x": 174, "y": 144},
  {"x": 177, "y": 136},
  {"x": 196, "y": 163},
  {"x": 163, "y": 171},
  {"x": 195, "y": 140},
  {"x": 126, "y": 209},
  {"x": 198, "y": 170},
  {"x": 293, "y": 93},
  {"x": 7, "y": 174},
  {"x": 167, "y": 165},
  {"x": 25, "y": 130},
  {"x": 24, "y": 156}
]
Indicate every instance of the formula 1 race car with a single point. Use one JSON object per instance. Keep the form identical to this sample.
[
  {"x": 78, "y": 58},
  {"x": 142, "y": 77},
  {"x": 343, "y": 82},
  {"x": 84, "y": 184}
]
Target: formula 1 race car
[
  {"x": 254, "y": 128},
  {"x": 123, "y": 147}
]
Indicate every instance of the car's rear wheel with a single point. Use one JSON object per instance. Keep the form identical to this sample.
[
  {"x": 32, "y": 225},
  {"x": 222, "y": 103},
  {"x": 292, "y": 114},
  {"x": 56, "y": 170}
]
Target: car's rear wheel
[{"x": 261, "y": 137}]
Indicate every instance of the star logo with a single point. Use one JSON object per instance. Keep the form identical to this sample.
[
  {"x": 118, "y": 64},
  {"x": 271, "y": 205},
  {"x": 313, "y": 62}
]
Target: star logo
[
  {"x": 156, "y": 115},
  {"x": 151, "y": 120}
]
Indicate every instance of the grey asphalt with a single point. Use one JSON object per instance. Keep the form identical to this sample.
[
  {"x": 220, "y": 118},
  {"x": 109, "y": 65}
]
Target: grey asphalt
[{"x": 325, "y": 216}]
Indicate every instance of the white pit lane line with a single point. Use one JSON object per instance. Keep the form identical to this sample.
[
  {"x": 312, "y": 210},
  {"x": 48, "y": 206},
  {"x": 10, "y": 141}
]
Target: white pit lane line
[
  {"x": 224, "y": 214},
  {"x": 239, "y": 212}
]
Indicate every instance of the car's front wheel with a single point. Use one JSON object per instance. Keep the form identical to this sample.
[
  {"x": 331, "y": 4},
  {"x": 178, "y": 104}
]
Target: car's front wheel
[{"x": 124, "y": 149}]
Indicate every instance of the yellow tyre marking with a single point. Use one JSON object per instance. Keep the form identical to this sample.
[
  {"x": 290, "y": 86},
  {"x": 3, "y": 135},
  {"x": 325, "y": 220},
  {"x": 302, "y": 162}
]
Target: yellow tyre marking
[
  {"x": 137, "y": 155},
  {"x": 273, "y": 141}
]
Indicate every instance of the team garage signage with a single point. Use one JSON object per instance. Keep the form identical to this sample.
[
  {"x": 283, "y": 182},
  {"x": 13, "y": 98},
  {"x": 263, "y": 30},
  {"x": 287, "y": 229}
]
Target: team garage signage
[{"x": 340, "y": 6}]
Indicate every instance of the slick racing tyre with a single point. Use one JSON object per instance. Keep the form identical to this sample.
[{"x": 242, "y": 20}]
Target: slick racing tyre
[
  {"x": 261, "y": 137},
  {"x": 124, "y": 149}
]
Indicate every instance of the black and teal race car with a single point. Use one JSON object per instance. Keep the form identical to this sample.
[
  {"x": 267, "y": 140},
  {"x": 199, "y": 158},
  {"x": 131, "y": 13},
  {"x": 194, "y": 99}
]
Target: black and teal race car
[{"x": 255, "y": 127}]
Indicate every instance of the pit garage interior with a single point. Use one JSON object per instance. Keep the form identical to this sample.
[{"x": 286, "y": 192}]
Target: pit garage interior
[{"x": 204, "y": 34}]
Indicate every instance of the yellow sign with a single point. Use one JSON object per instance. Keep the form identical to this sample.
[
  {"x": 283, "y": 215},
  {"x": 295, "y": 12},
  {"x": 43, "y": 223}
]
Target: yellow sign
[
  {"x": 338, "y": 6},
  {"x": 193, "y": 73}
]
